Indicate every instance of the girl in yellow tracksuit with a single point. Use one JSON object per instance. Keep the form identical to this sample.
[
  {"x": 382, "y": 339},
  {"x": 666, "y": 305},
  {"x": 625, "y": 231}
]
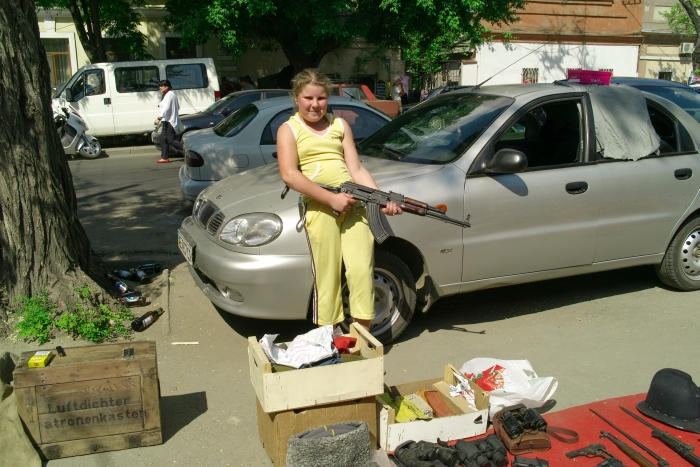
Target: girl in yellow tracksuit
[{"x": 317, "y": 147}]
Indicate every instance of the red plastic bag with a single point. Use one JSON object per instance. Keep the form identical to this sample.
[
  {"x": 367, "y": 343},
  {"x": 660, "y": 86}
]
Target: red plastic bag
[{"x": 489, "y": 379}]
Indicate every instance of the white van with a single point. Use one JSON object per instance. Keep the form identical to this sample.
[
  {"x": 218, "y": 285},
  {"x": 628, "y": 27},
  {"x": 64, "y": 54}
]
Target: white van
[{"x": 119, "y": 98}]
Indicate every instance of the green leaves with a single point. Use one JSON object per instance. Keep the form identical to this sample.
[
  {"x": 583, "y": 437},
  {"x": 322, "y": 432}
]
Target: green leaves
[
  {"x": 306, "y": 30},
  {"x": 678, "y": 20},
  {"x": 89, "y": 320}
]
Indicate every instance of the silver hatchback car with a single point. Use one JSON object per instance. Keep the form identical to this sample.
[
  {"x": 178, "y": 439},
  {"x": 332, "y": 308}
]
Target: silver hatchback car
[{"x": 526, "y": 162}]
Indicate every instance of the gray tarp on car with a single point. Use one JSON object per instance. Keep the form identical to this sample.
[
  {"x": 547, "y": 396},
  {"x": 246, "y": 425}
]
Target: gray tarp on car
[{"x": 622, "y": 125}]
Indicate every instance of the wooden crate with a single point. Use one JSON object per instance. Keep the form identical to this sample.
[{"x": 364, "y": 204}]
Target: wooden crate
[
  {"x": 320, "y": 385},
  {"x": 464, "y": 424},
  {"x": 96, "y": 398},
  {"x": 275, "y": 429}
]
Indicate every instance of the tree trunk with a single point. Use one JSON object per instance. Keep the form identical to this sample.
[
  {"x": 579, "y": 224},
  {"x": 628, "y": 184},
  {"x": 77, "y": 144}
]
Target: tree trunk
[
  {"x": 90, "y": 32},
  {"x": 695, "y": 19},
  {"x": 43, "y": 246},
  {"x": 289, "y": 43}
]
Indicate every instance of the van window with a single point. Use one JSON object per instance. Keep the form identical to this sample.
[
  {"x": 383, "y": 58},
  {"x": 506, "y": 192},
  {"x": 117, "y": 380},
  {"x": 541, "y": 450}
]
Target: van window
[
  {"x": 187, "y": 76},
  {"x": 137, "y": 78}
]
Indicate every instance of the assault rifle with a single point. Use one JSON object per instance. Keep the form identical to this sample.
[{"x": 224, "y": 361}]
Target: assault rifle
[
  {"x": 375, "y": 200},
  {"x": 682, "y": 449}
]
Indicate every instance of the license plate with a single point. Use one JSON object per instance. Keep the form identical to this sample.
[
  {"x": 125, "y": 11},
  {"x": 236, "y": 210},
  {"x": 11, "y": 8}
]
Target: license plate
[{"x": 186, "y": 249}]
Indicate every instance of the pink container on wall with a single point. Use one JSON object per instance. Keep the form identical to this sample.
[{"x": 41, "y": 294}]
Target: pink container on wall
[{"x": 589, "y": 77}]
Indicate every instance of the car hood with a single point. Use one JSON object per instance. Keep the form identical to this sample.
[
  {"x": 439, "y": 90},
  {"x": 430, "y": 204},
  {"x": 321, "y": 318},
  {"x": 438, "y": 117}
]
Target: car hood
[{"x": 259, "y": 190}]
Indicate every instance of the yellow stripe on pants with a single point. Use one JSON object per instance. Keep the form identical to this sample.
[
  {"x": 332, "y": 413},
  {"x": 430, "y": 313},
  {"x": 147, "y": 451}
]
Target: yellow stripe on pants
[{"x": 334, "y": 241}]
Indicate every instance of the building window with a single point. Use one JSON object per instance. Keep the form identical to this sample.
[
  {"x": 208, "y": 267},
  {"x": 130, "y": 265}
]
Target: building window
[
  {"x": 58, "y": 56},
  {"x": 115, "y": 52},
  {"x": 665, "y": 74},
  {"x": 530, "y": 75},
  {"x": 173, "y": 49}
]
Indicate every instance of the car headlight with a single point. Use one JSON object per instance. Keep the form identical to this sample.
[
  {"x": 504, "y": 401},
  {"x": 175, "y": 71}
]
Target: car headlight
[{"x": 252, "y": 229}]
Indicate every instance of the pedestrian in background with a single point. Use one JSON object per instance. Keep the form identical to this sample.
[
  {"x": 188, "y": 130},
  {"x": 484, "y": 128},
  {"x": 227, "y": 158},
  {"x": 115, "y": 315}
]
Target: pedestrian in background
[
  {"x": 246, "y": 84},
  {"x": 226, "y": 87},
  {"x": 170, "y": 120},
  {"x": 316, "y": 147}
]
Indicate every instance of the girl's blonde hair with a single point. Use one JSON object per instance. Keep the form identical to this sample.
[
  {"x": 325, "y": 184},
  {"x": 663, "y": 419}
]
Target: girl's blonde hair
[{"x": 310, "y": 76}]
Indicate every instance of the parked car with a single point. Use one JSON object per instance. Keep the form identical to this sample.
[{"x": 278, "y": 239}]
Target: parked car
[
  {"x": 121, "y": 98},
  {"x": 548, "y": 191},
  {"x": 434, "y": 93},
  {"x": 683, "y": 96},
  {"x": 219, "y": 110},
  {"x": 362, "y": 93},
  {"x": 248, "y": 139}
]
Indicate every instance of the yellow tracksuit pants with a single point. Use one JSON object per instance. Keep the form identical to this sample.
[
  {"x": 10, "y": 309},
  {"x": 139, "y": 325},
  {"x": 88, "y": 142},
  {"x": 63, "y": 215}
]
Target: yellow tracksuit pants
[{"x": 334, "y": 240}]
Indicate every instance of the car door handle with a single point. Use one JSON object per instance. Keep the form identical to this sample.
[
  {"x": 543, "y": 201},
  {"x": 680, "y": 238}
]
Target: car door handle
[
  {"x": 107, "y": 101},
  {"x": 576, "y": 188},
  {"x": 683, "y": 174},
  {"x": 274, "y": 154}
]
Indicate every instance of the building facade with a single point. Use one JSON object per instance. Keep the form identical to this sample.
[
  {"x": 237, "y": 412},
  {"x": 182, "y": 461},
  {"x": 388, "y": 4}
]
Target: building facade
[{"x": 553, "y": 36}]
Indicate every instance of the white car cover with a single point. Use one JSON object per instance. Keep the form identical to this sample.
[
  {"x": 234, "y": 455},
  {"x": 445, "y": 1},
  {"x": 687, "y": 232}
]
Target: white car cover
[{"x": 622, "y": 125}]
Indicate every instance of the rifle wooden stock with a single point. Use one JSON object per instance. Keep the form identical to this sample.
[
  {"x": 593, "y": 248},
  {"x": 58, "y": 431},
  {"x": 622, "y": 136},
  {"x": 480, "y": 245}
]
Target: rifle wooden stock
[{"x": 627, "y": 449}]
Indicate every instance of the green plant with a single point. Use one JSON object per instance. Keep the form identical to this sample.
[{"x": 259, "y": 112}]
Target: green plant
[
  {"x": 89, "y": 319},
  {"x": 36, "y": 317}
]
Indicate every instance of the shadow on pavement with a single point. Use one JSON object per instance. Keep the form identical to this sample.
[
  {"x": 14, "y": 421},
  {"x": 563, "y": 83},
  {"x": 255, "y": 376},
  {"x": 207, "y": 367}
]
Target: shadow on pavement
[
  {"x": 468, "y": 312},
  {"x": 179, "y": 411}
]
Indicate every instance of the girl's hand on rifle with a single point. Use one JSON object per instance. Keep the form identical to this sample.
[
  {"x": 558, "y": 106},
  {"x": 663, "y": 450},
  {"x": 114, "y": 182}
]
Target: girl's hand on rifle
[
  {"x": 341, "y": 202},
  {"x": 392, "y": 209}
]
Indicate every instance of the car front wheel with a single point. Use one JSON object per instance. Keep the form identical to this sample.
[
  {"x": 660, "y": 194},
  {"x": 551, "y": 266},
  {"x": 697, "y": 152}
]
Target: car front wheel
[
  {"x": 680, "y": 267},
  {"x": 394, "y": 297}
]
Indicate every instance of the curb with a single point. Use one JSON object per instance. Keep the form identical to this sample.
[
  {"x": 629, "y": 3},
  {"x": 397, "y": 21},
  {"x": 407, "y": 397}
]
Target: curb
[
  {"x": 165, "y": 299},
  {"x": 150, "y": 149}
]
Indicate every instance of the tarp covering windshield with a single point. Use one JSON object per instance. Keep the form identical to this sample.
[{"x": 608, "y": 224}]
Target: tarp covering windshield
[{"x": 622, "y": 125}]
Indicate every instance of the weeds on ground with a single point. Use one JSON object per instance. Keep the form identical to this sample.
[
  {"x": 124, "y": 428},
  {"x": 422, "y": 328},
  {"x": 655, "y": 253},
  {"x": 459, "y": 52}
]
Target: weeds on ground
[{"x": 88, "y": 319}]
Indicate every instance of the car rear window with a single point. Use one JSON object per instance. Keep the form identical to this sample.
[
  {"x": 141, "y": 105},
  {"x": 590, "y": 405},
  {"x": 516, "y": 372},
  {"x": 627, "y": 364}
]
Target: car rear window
[
  {"x": 685, "y": 98},
  {"x": 437, "y": 131},
  {"x": 236, "y": 122},
  {"x": 187, "y": 76}
]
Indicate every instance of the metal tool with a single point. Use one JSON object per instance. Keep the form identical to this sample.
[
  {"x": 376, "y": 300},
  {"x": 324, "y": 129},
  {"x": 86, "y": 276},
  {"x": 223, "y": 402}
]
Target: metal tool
[{"x": 661, "y": 462}]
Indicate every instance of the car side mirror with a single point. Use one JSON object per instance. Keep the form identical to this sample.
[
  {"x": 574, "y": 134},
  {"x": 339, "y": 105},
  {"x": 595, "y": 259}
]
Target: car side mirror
[
  {"x": 225, "y": 111},
  {"x": 506, "y": 161},
  {"x": 69, "y": 95}
]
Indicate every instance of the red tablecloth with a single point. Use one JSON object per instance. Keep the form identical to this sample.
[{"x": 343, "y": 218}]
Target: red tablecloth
[{"x": 588, "y": 426}]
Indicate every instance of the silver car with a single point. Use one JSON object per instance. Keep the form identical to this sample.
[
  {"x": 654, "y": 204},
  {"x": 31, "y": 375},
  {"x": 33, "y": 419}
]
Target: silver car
[
  {"x": 248, "y": 139},
  {"x": 545, "y": 201}
]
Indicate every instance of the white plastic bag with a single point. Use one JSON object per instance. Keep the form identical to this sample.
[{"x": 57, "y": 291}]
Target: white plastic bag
[{"x": 509, "y": 382}]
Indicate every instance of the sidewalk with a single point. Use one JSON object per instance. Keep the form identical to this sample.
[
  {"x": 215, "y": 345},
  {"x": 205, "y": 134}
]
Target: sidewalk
[{"x": 208, "y": 404}]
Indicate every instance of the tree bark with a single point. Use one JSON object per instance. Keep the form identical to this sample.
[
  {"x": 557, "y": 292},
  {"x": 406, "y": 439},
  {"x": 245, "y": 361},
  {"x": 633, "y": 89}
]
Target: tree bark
[
  {"x": 43, "y": 246},
  {"x": 695, "y": 19},
  {"x": 289, "y": 43}
]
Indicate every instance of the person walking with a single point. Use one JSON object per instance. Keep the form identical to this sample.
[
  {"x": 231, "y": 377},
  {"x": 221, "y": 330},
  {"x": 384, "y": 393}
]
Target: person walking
[
  {"x": 316, "y": 147},
  {"x": 170, "y": 120}
]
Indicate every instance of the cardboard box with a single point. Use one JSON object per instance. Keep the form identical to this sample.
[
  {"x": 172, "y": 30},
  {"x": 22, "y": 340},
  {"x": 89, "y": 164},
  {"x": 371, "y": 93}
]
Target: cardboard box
[
  {"x": 464, "y": 424},
  {"x": 275, "y": 429},
  {"x": 96, "y": 398},
  {"x": 321, "y": 385}
]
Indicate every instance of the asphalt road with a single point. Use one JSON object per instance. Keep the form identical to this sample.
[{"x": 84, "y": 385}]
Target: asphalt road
[
  {"x": 601, "y": 335},
  {"x": 130, "y": 206}
]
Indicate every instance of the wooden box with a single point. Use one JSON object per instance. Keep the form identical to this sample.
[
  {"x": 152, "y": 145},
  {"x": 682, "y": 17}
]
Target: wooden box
[
  {"x": 96, "y": 398},
  {"x": 320, "y": 385},
  {"x": 464, "y": 424},
  {"x": 275, "y": 429}
]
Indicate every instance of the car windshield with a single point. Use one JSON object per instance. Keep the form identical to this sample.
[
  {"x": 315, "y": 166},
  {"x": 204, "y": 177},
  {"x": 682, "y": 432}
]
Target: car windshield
[
  {"x": 438, "y": 131},
  {"x": 220, "y": 104},
  {"x": 234, "y": 123},
  {"x": 685, "y": 98},
  {"x": 60, "y": 88}
]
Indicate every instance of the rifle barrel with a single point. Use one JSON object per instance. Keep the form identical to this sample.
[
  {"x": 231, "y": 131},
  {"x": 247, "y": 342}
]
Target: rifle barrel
[{"x": 661, "y": 461}]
